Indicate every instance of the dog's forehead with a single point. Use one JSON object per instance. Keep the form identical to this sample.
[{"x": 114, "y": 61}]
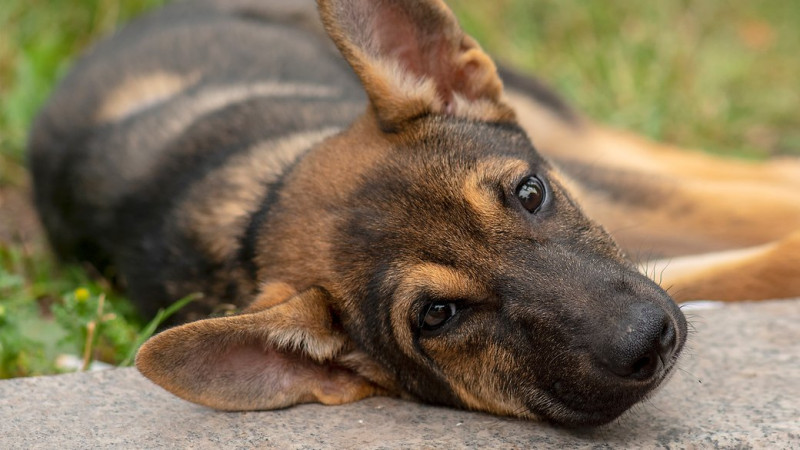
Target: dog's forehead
[
  {"x": 452, "y": 212},
  {"x": 444, "y": 194},
  {"x": 445, "y": 159},
  {"x": 464, "y": 140}
]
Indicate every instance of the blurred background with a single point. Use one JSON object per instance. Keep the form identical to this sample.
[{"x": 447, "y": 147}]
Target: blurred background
[{"x": 710, "y": 75}]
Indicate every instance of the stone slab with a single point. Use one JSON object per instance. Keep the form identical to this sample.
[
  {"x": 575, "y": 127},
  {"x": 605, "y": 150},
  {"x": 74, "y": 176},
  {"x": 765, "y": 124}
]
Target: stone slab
[{"x": 738, "y": 387}]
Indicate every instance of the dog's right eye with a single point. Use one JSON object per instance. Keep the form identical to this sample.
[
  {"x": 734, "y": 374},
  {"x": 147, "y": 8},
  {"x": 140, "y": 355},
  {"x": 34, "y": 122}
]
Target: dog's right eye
[{"x": 435, "y": 315}]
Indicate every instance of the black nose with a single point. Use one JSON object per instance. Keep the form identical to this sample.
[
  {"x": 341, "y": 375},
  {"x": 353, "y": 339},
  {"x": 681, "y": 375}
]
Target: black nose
[{"x": 642, "y": 339}]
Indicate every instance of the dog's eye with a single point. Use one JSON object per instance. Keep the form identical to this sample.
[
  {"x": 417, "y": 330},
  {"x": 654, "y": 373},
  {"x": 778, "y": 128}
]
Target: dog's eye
[
  {"x": 530, "y": 193},
  {"x": 434, "y": 315}
]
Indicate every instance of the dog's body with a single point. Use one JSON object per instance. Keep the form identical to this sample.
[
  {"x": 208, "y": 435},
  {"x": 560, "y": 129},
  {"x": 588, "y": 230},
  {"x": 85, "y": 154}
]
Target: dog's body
[{"x": 422, "y": 248}]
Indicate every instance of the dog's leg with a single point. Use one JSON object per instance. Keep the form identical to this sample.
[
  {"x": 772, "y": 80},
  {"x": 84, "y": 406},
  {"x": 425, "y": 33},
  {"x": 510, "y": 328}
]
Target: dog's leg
[
  {"x": 658, "y": 198},
  {"x": 727, "y": 225},
  {"x": 755, "y": 273}
]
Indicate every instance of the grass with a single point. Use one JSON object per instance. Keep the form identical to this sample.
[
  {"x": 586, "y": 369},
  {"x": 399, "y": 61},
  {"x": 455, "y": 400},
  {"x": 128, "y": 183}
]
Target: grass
[
  {"x": 716, "y": 75},
  {"x": 47, "y": 309}
]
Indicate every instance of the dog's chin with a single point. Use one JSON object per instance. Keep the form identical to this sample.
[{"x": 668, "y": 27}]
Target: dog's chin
[
  {"x": 567, "y": 415},
  {"x": 581, "y": 410}
]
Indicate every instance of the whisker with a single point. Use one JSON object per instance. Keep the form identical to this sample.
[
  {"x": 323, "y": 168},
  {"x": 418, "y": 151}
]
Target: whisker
[{"x": 693, "y": 376}]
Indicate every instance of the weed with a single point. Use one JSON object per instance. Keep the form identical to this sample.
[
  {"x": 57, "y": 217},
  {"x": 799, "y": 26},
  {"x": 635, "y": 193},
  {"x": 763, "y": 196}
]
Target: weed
[{"x": 40, "y": 321}]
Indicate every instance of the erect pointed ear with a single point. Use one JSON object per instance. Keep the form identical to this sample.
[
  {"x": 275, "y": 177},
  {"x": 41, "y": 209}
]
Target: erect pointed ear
[
  {"x": 413, "y": 59},
  {"x": 272, "y": 358}
]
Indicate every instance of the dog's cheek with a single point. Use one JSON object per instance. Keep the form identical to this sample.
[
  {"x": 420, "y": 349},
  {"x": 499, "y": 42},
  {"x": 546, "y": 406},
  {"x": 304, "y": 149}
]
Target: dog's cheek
[{"x": 478, "y": 370}]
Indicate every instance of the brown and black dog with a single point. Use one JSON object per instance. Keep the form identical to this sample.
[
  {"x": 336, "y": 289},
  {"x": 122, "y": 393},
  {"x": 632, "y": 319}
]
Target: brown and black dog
[{"x": 408, "y": 242}]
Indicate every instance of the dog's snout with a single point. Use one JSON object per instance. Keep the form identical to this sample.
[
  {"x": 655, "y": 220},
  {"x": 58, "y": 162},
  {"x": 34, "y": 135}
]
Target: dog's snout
[{"x": 643, "y": 339}]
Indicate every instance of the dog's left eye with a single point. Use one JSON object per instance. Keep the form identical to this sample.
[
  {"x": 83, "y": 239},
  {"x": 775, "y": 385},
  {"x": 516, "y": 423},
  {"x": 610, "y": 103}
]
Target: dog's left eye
[
  {"x": 436, "y": 314},
  {"x": 531, "y": 193}
]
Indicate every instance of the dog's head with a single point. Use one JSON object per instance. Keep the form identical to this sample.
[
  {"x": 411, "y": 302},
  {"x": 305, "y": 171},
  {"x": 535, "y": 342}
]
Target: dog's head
[{"x": 459, "y": 269}]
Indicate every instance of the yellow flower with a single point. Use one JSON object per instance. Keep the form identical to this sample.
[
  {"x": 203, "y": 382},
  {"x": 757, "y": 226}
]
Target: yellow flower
[{"x": 81, "y": 294}]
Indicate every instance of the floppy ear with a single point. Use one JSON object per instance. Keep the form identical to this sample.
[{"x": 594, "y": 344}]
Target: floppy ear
[
  {"x": 273, "y": 358},
  {"x": 413, "y": 59}
]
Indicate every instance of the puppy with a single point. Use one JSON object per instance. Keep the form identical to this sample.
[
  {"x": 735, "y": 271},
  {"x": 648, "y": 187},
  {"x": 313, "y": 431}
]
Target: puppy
[{"x": 382, "y": 221}]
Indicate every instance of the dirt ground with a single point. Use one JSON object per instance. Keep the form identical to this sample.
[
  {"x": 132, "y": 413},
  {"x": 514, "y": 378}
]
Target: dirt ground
[{"x": 19, "y": 224}]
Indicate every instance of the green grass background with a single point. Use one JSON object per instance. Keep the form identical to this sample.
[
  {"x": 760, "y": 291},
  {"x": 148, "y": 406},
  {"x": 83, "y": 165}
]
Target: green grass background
[{"x": 712, "y": 75}]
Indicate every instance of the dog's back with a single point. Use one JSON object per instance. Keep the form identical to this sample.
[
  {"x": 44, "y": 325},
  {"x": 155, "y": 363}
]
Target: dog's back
[{"x": 198, "y": 108}]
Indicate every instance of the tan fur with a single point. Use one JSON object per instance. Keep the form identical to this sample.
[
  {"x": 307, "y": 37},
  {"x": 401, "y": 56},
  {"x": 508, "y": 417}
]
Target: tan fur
[
  {"x": 758, "y": 273},
  {"x": 479, "y": 391},
  {"x": 707, "y": 204},
  {"x": 441, "y": 281},
  {"x": 364, "y": 365},
  {"x": 720, "y": 203},
  {"x": 481, "y": 109},
  {"x": 217, "y": 224},
  {"x": 437, "y": 280},
  {"x": 307, "y": 243},
  {"x": 271, "y": 294},
  {"x": 479, "y": 188},
  {"x": 401, "y": 94},
  {"x": 141, "y": 92},
  {"x": 549, "y": 133},
  {"x": 173, "y": 120}
]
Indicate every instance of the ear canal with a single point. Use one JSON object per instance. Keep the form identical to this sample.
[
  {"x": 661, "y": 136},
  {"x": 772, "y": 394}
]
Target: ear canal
[
  {"x": 413, "y": 59},
  {"x": 269, "y": 359}
]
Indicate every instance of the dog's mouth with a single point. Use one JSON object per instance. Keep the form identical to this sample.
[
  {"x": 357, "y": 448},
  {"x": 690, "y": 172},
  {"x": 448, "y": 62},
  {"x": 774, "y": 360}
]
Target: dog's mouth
[{"x": 577, "y": 404}]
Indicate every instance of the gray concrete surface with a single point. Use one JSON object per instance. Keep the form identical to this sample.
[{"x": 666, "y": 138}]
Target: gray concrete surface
[{"x": 739, "y": 387}]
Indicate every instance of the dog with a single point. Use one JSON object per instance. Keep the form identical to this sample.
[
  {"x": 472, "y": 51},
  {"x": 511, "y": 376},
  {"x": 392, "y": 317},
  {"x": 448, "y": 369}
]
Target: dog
[{"x": 389, "y": 214}]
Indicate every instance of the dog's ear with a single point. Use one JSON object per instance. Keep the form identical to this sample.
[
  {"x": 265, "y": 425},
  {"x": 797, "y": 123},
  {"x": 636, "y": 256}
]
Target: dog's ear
[
  {"x": 276, "y": 357},
  {"x": 413, "y": 59}
]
